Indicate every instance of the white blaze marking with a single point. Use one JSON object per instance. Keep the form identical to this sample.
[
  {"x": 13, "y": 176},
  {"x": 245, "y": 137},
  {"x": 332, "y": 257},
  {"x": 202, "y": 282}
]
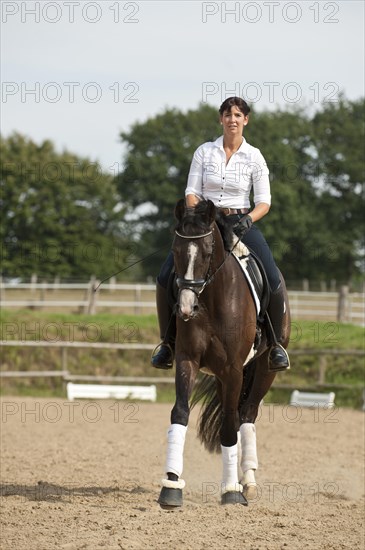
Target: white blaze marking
[
  {"x": 187, "y": 296},
  {"x": 192, "y": 252}
]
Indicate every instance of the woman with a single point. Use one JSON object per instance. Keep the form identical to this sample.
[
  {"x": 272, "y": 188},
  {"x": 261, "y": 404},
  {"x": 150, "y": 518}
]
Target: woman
[{"x": 225, "y": 171}]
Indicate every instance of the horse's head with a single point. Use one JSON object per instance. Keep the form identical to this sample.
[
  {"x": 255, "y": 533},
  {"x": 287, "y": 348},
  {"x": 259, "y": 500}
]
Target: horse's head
[{"x": 193, "y": 249}]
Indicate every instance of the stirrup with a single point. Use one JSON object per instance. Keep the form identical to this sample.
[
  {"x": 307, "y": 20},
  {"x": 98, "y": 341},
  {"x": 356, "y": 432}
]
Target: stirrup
[
  {"x": 162, "y": 356},
  {"x": 284, "y": 364}
]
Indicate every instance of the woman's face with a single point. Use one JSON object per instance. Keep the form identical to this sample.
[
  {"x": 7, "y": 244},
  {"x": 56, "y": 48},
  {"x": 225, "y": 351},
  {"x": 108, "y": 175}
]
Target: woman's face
[{"x": 233, "y": 121}]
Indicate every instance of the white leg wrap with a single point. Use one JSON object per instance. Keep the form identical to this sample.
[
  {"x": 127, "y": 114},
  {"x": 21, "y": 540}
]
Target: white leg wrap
[
  {"x": 249, "y": 452},
  {"x": 175, "y": 448},
  {"x": 230, "y": 475},
  {"x": 248, "y": 478},
  {"x": 239, "y": 454}
]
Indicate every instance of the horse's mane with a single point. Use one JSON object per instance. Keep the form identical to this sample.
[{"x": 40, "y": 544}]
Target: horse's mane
[
  {"x": 195, "y": 222},
  {"x": 225, "y": 229}
]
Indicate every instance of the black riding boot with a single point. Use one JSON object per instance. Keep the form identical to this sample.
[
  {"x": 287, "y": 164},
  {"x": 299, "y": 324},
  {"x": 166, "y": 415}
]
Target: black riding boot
[
  {"x": 163, "y": 354},
  {"x": 278, "y": 357}
]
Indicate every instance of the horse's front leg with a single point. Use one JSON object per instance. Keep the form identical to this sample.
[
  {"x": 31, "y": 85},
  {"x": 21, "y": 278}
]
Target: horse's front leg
[{"x": 172, "y": 486}]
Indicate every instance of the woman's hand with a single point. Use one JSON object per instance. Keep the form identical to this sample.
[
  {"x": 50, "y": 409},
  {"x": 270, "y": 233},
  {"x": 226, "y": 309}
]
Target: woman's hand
[
  {"x": 242, "y": 226},
  {"x": 191, "y": 201}
]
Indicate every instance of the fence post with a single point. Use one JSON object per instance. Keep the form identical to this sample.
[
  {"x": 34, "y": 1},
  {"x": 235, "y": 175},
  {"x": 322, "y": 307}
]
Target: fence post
[
  {"x": 91, "y": 308},
  {"x": 322, "y": 369},
  {"x": 33, "y": 282},
  {"x": 137, "y": 309},
  {"x": 342, "y": 303},
  {"x": 88, "y": 294},
  {"x": 63, "y": 358},
  {"x": 56, "y": 282},
  {"x": 43, "y": 291},
  {"x": 2, "y": 289},
  {"x": 112, "y": 284}
]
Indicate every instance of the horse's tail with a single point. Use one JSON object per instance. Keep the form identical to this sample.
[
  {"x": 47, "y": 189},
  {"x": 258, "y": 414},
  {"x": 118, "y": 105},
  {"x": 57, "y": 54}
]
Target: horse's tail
[{"x": 210, "y": 416}]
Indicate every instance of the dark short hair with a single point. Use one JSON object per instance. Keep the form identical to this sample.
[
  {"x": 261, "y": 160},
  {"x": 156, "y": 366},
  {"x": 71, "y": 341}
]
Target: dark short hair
[{"x": 234, "y": 101}]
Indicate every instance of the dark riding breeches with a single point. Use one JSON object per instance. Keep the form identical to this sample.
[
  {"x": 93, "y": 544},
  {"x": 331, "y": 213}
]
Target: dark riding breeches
[
  {"x": 255, "y": 240},
  {"x": 163, "y": 276}
]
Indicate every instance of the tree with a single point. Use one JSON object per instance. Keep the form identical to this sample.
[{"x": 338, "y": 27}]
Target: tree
[
  {"x": 308, "y": 229},
  {"x": 60, "y": 213},
  {"x": 338, "y": 131},
  {"x": 284, "y": 137},
  {"x": 158, "y": 161},
  {"x": 156, "y": 167}
]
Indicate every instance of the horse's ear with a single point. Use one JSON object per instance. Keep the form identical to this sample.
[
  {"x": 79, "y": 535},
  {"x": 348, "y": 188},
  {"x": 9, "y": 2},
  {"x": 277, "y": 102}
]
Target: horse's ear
[
  {"x": 211, "y": 212},
  {"x": 180, "y": 209}
]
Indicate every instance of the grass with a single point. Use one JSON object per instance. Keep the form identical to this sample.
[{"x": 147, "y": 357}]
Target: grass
[{"x": 35, "y": 325}]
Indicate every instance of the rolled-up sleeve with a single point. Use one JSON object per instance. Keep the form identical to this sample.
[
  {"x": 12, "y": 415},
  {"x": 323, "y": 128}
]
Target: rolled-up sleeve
[
  {"x": 260, "y": 180},
  {"x": 195, "y": 177}
]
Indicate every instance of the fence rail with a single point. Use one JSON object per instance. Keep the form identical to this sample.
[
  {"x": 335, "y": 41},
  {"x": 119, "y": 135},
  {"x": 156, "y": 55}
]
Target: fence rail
[
  {"x": 343, "y": 306},
  {"x": 320, "y": 382}
]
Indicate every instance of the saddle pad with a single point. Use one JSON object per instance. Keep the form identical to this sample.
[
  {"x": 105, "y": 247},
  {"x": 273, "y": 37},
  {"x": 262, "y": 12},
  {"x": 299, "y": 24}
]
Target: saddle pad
[{"x": 241, "y": 253}]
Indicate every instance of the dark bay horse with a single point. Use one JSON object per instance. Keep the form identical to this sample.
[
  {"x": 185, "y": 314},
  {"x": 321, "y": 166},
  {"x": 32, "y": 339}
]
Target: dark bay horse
[{"x": 216, "y": 322}]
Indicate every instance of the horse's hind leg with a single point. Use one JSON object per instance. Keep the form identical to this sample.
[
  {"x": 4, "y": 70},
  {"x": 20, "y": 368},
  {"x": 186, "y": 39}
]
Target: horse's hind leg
[
  {"x": 171, "y": 492},
  {"x": 232, "y": 492},
  {"x": 258, "y": 381},
  {"x": 249, "y": 461}
]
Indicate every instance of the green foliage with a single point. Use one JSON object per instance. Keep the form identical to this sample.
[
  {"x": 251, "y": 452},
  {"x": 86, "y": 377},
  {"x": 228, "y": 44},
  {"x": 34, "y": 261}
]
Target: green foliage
[
  {"x": 285, "y": 140},
  {"x": 60, "y": 215},
  {"x": 338, "y": 133},
  {"x": 314, "y": 226},
  {"x": 159, "y": 153}
]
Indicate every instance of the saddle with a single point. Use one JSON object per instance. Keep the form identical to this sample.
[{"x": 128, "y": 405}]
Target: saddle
[{"x": 255, "y": 274}]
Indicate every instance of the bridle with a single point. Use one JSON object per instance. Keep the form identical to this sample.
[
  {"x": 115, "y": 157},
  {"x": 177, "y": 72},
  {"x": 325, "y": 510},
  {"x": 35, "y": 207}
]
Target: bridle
[
  {"x": 198, "y": 285},
  {"x": 195, "y": 285}
]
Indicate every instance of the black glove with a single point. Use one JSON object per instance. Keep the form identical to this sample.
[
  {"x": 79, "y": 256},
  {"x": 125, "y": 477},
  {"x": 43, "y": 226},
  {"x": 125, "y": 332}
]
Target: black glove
[{"x": 242, "y": 226}]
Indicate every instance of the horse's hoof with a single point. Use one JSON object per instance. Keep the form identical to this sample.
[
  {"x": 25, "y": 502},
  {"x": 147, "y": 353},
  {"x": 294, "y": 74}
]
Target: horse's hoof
[
  {"x": 234, "y": 497},
  {"x": 170, "y": 498},
  {"x": 250, "y": 491}
]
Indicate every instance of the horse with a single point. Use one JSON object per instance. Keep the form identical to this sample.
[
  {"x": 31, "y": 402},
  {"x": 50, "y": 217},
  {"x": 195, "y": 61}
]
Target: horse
[{"x": 216, "y": 327}]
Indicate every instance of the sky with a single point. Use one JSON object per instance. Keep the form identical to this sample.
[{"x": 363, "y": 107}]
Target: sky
[{"x": 79, "y": 73}]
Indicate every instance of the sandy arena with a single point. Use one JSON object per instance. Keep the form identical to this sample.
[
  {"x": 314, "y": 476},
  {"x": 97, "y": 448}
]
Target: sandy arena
[{"x": 86, "y": 475}]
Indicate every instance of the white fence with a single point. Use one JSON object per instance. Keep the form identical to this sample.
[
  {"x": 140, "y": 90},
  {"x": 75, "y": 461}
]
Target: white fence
[
  {"x": 342, "y": 306},
  {"x": 62, "y": 371}
]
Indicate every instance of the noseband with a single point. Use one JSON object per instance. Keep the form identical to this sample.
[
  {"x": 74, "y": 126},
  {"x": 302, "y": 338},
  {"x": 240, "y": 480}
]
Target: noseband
[{"x": 196, "y": 285}]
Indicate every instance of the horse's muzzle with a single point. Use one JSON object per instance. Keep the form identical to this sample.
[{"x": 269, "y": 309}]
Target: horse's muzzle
[
  {"x": 188, "y": 316},
  {"x": 187, "y": 306}
]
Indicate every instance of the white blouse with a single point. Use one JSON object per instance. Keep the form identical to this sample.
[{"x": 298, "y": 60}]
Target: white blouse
[{"x": 229, "y": 186}]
